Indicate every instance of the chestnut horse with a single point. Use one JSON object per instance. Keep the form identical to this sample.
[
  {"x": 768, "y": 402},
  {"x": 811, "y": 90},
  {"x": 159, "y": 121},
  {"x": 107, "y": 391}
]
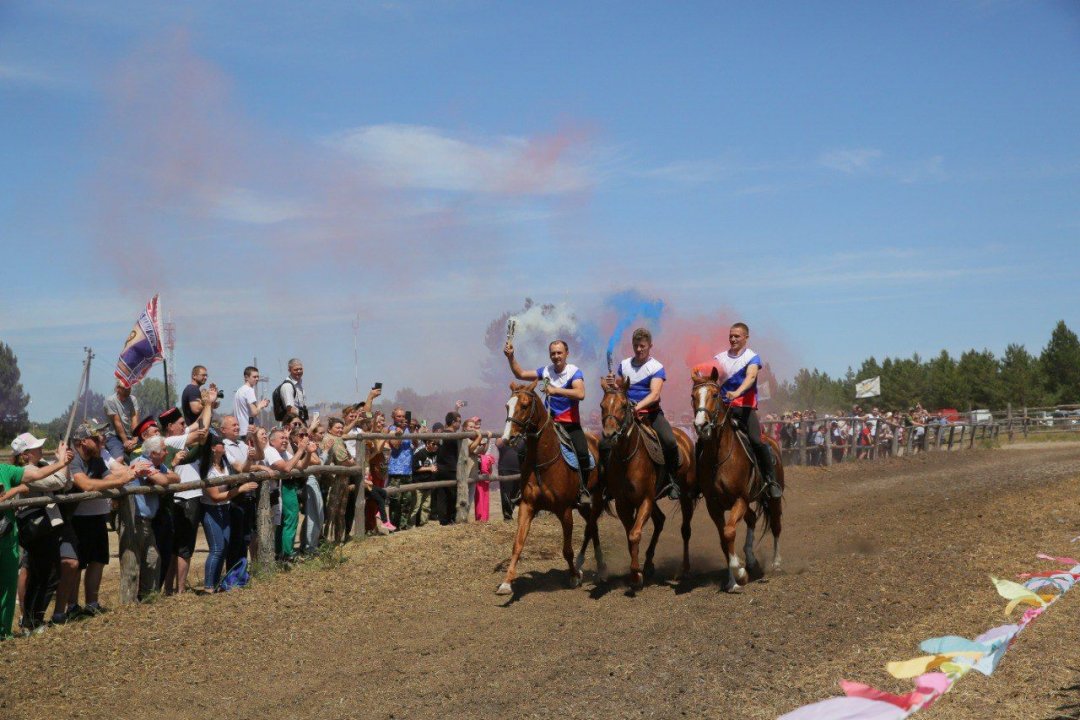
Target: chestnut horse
[
  {"x": 632, "y": 477},
  {"x": 547, "y": 481},
  {"x": 725, "y": 478}
]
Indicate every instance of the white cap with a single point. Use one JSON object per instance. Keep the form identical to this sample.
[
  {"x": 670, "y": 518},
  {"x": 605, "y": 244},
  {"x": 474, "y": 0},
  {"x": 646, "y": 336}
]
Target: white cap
[{"x": 25, "y": 442}]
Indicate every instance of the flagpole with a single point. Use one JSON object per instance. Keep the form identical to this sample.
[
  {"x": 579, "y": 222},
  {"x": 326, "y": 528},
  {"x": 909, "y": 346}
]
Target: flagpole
[{"x": 164, "y": 355}]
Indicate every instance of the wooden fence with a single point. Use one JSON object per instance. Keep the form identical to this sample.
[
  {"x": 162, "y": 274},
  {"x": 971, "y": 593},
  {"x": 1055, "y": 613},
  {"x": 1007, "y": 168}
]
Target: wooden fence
[
  {"x": 129, "y": 562},
  {"x": 804, "y": 451}
]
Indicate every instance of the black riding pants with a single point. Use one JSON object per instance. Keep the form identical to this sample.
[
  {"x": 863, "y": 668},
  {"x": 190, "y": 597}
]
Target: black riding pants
[
  {"x": 747, "y": 419},
  {"x": 667, "y": 438},
  {"x": 581, "y": 446}
]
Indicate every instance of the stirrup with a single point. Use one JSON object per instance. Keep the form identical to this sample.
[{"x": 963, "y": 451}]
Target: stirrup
[{"x": 584, "y": 498}]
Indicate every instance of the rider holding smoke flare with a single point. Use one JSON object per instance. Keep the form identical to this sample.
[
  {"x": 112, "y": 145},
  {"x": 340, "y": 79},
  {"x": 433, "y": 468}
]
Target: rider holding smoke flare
[
  {"x": 739, "y": 366},
  {"x": 564, "y": 388},
  {"x": 646, "y": 377}
]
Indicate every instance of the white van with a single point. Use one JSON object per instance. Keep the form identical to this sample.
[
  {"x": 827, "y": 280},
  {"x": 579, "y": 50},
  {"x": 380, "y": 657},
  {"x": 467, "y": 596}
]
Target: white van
[{"x": 980, "y": 417}]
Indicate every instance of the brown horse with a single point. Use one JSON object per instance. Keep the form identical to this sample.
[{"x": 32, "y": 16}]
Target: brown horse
[
  {"x": 725, "y": 477},
  {"x": 631, "y": 477},
  {"x": 547, "y": 482}
]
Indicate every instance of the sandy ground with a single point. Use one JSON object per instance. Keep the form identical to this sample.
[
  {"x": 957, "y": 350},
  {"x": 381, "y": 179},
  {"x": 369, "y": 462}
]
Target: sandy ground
[{"x": 877, "y": 557}]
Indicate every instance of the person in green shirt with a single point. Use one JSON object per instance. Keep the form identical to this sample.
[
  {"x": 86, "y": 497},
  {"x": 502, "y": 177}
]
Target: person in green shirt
[{"x": 13, "y": 481}]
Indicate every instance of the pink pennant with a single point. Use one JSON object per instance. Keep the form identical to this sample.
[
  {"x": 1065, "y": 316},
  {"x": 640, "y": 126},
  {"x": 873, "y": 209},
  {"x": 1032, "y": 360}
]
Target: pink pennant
[
  {"x": 1062, "y": 560},
  {"x": 928, "y": 687}
]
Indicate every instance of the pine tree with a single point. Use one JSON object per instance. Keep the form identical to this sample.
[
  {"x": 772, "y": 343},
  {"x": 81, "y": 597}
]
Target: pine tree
[
  {"x": 1060, "y": 365},
  {"x": 13, "y": 401},
  {"x": 1020, "y": 378}
]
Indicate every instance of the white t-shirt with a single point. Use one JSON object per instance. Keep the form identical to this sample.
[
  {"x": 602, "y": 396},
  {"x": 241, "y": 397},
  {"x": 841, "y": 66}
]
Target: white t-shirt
[
  {"x": 189, "y": 473},
  {"x": 242, "y": 402},
  {"x": 214, "y": 473},
  {"x": 350, "y": 445},
  {"x": 271, "y": 456},
  {"x": 236, "y": 453}
]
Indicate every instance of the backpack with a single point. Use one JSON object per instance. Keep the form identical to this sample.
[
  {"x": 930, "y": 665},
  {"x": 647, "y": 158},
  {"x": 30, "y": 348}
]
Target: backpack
[
  {"x": 238, "y": 576},
  {"x": 279, "y": 402}
]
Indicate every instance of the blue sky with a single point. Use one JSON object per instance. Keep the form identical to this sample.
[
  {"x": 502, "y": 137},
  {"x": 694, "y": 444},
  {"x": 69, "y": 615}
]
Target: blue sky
[{"x": 849, "y": 178}]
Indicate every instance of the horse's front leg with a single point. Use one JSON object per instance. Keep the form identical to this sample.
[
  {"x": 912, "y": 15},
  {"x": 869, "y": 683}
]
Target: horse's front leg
[
  {"x": 658, "y": 519},
  {"x": 525, "y": 516},
  {"x": 687, "y": 515},
  {"x": 567, "y": 520},
  {"x": 633, "y": 540},
  {"x": 736, "y": 572},
  {"x": 752, "y": 565}
]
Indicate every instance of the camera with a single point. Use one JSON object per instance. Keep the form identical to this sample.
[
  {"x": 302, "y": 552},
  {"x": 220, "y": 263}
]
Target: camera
[
  {"x": 220, "y": 394},
  {"x": 377, "y": 386}
]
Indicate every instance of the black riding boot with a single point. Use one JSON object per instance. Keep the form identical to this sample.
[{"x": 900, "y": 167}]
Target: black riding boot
[
  {"x": 765, "y": 461},
  {"x": 584, "y": 499}
]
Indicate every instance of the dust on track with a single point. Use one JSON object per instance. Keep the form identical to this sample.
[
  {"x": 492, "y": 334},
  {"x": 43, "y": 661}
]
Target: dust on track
[{"x": 877, "y": 557}]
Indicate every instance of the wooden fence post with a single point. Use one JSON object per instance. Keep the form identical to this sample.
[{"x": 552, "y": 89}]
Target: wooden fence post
[
  {"x": 463, "y": 482},
  {"x": 828, "y": 444},
  {"x": 909, "y": 441},
  {"x": 359, "y": 518},
  {"x": 264, "y": 527},
  {"x": 895, "y": 443},
  {"x": 1024, "y": 427},
  {"x": 800, "y": 437},
  {"x": 129, "y": 559},
  {"x": 952, "y": 429},
  {"x": 971, "y": 440},
  {"x": 1010, "y": 420},
  {"x": 937, "y": 436}
]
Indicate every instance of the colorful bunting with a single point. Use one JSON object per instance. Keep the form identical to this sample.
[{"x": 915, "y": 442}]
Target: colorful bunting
[{"x": 950, "y": 657}]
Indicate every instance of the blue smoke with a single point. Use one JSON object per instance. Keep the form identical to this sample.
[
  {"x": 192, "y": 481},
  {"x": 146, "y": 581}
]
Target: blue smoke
[{"x": 631, "y": 306}]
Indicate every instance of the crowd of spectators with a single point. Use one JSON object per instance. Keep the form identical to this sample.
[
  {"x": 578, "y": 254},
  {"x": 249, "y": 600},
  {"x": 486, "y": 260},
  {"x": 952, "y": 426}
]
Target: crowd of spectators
[
  {"x": 858, "y": 434},
  {"x": 55, "y": 556}
]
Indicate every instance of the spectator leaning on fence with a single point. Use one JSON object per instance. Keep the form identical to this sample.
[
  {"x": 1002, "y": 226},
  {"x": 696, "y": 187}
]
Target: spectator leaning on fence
[
  {"x": 217, "y": 500},
  {"x": 89, "y": 472},
  {"x": 149, "y": 469},
  {"x": 246, "y": 407},
  {"x": 243, "y": 457},
  {"x": 122, "y": 415},
  {"x": 399, "y": 470},
  {"x": 424, "y": 471},
  {"x": 280, "y": 458},
  {"x": 14, "y": 480}
]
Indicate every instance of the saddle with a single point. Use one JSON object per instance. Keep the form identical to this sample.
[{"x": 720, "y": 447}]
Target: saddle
[
  {"x": 568, "y": 454},
  {"x": 652, "y": 443}
]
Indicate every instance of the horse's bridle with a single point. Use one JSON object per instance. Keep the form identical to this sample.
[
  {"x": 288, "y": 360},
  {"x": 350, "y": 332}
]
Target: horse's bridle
[
  {"x": 712, "y": 425},
  {"x": 525, "y": 431},
  {"x": 626, "y": 425}
]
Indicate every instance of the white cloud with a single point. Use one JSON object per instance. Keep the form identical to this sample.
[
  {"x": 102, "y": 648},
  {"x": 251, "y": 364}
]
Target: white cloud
[
  {"x": 850, "y": 160},
  {"x": 425, "y": 158},
  {"x": 13, "y": 74},
  {"x": 246, "y": 206}
]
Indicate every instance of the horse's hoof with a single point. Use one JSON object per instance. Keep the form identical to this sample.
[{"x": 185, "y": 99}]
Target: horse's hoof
[
  {"x": 741, "y": 576},
  {"x": 579, "y": 562},
  {"x": 735, "y": 589},
  {"x": 505, "y": 589},
  {"x": 575, "y": 581},
  {"x": 637, "y": 581},
  {"x": 650, "y": 570}
]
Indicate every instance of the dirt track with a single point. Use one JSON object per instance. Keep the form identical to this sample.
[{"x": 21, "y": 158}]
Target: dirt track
[{"x": 877, "y": 558}]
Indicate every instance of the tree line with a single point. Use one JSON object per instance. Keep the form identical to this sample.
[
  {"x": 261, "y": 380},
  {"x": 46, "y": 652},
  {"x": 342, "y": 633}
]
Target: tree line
[{"x": 976, "y": 379}]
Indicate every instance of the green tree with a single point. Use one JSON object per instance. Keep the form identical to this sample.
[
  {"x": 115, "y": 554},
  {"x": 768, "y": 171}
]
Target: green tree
[
  {"x": 90, "y": 404},
  {"x": 1021, "y": 381},
  {"x": 942, "y": 383},
  {"x": 980, "y": 380},
  {"x": 13, "y": 401},
  {"x": 1060, "y": 365},
  {"x": 151, "y": 396}
]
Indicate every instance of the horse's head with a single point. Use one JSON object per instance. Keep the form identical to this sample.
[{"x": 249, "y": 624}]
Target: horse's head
[
  {"x": 616, "y": 410},
  {"x": 705, "y": 399},
  {"x": 521, "y": 411}
]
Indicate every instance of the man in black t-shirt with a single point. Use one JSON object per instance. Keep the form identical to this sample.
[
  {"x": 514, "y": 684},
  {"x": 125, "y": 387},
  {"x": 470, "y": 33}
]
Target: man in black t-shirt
[
  {"x": 444, "y": 500},
  {"x": 509, "y": 464},
  {"x": 191, "y": 399}
]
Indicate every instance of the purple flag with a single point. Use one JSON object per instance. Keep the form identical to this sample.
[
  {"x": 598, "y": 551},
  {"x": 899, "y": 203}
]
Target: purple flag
[{"x": 142, "y": 348}]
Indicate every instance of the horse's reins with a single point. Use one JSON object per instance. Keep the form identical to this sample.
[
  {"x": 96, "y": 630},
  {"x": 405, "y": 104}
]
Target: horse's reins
[
  {"x": 711, "y": 426},
  {"x": 530, "y": 421}
]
